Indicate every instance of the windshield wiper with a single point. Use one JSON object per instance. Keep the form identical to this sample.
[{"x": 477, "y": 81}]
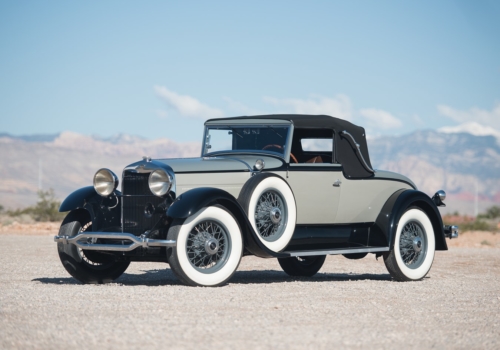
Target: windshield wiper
[
  {"x": 235, "y": 132},
  {"x": 273, "y": 129}
]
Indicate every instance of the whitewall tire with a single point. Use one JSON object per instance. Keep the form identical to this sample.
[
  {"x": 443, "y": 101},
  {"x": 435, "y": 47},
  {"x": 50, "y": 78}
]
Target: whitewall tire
[
  {"x": 271, "y": 210},
  {"x": 209, "y": 247},
  {"x": 414, "y": 247}
]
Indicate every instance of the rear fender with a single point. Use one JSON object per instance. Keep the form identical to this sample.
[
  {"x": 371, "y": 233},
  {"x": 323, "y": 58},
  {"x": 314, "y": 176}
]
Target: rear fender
[
  {"x": 193, "y": 200},
  {"x": 387, "y": 221}
]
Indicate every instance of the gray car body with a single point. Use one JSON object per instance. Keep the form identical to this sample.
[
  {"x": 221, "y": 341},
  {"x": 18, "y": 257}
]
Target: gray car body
[{"x": 316, "y": 197}]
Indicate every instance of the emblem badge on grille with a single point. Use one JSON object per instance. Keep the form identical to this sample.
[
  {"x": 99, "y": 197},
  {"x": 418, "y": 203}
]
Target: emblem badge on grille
[{"x": 149, "y": 210}]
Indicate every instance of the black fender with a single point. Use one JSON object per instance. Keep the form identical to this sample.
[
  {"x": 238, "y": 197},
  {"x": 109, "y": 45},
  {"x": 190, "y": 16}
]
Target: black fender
[
  {"x": 77, "y": 199},
  {"x": 103, "y": 211},
  {"x": 193, "y": 200},
  {"x": 387, "y": 221}
]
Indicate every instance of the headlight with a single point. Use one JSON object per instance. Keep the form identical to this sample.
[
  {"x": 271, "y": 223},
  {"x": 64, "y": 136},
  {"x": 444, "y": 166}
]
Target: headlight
[
  {"x": 105, "y": 182},
  {"x": 160, "y": 182}
]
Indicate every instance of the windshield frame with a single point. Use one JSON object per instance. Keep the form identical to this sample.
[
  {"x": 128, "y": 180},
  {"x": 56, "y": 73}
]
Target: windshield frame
[{"x": 279, "y": 123}]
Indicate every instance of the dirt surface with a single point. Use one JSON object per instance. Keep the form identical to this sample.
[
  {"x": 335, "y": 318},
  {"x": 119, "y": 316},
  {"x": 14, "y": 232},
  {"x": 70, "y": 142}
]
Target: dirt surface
[{"x": 349, "y": 304}]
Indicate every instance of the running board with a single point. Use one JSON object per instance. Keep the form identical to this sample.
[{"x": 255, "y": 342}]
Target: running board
[{"x": 337, "y": 251}]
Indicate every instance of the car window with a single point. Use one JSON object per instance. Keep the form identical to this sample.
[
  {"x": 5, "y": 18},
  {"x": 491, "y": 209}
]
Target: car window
[
  {"x": 267, "y": 138},
  {"x": 317, "y": 145},
  {"x": 313, "y": 145}
]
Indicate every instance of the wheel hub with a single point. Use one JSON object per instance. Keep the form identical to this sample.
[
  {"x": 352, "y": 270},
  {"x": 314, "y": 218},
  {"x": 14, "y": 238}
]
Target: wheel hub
[
  {"x": 211, "y": 246},
  {"x": 417, "y": 244},
  {"x": 275, "y": 215}
]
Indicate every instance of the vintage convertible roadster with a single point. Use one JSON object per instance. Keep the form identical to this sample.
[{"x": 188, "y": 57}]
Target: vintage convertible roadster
[{"x": 291, "y": 187}]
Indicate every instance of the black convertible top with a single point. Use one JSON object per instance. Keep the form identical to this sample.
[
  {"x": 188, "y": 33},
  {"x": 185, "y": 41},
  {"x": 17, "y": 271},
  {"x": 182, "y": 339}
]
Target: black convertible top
[{"x": 355, "y": 165}]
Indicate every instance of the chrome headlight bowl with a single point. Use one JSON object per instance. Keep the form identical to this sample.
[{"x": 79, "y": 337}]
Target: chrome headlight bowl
[
  {"x": 105, "y": 182},
  {"x": 160, "y": 182}
]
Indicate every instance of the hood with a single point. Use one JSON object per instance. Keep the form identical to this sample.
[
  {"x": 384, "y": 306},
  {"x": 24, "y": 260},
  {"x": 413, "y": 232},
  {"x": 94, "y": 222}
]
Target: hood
[{"x": 208, "y": 164}]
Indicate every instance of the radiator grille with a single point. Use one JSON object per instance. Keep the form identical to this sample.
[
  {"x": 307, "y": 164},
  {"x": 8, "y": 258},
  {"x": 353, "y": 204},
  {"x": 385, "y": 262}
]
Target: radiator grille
[
  {"x": 136, "y": 196},
  {"x": 135, "y": 184}
]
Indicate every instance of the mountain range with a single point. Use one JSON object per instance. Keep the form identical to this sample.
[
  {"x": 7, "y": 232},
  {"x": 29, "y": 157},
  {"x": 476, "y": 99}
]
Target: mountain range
[{"x": 463, "y": 161}]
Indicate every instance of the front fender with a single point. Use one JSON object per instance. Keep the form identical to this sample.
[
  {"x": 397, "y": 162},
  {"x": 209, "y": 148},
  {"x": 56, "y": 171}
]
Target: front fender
[
  {"x": 193, "y": 200},
  {"x": 104, "y": 211},
  {"x": 77, "y": 199},
  {"x": 387, "y": 221}
]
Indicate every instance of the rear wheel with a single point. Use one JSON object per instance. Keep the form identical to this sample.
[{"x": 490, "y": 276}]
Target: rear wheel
[
  {"x": 355, "y": 256},
  {"x": 85, "y": 265},
  {"x": 414, "y": 246},
  {"x": 305, "y": 266}
]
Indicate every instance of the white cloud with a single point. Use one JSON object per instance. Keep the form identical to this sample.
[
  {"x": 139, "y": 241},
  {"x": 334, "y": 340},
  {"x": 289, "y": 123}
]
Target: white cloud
[
  {"x": 240, "y": 108},
  {"x": 471, "y": 128},
  {"x": 488, "y": 118},
  {"x": 162, "y": 114},
  {"x": 186, "y": 105},
  {"x": 380, "y": 119},
  {"x": 338, "y": 106},
  {"x": 417, "y": 120}
]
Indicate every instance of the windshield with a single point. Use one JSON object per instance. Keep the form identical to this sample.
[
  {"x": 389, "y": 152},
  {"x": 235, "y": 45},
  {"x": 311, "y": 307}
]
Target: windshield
[{"x": 264, "y": 138}]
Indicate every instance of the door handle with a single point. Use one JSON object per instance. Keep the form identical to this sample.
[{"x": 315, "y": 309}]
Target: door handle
[{"x": 337, "y": 183}]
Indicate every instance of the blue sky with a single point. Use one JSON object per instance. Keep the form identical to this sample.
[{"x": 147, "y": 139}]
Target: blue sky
[{"x": 160, "y": 68}]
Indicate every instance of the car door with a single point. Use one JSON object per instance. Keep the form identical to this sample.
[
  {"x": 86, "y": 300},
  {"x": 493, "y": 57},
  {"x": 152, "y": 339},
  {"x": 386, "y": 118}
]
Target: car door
[
  {"x": 313, "y": 177},
  {"x": 316, "y": 191}
]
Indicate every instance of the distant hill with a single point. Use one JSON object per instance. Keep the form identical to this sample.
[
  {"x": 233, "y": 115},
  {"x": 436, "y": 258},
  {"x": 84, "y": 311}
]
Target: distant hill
[
  {"x": 68, "y": 161},
  {"x": 453, "y": 160}
]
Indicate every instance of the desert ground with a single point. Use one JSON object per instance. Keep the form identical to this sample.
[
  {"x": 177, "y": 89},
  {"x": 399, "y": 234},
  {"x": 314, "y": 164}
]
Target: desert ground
[{"x": 348, "y": 304}]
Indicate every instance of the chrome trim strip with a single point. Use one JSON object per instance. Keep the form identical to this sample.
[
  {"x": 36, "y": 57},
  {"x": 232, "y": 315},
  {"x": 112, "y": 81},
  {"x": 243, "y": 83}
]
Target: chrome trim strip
[
  {"x": 231, "y": 158},
  {"x": 337, "y": 251},
  {"x": 358, "y": 149},
  {"x": 136, "y": 242}
]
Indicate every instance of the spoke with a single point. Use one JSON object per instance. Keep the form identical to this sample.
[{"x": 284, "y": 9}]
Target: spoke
[
  {"x": 407, "y": 244},
  {"x": 195, "y": 245}
]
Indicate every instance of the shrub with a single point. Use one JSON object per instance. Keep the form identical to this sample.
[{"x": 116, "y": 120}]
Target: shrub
[
  {"x": 492, "y": 213},
  {"x": 46, "y": 209},
  {"x": 476, "y": 225}
]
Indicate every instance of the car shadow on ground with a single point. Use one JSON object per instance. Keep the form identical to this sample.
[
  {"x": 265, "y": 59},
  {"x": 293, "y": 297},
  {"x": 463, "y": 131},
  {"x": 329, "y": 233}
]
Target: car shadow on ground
[{"x": 165, "y": 277}]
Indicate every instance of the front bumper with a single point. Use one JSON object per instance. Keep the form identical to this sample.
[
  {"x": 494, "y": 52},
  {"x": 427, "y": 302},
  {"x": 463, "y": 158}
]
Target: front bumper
[
  {"x": 126, "y": 241},
  {"x": 451, "y": 231}
]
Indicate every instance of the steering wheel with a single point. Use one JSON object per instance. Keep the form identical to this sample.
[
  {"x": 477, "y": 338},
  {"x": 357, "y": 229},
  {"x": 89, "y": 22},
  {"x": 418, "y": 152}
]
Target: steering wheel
[{"x": 280, "y": 147}]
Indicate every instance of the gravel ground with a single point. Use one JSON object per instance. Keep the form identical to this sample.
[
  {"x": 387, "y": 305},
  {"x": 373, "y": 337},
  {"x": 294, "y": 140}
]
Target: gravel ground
[{"x": 349, "y": 304}]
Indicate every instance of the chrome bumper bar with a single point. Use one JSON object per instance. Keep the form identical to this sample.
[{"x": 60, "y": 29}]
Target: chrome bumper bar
[
  {"x": 451, "y": 231},
  {"x": 86, "y": 240}
]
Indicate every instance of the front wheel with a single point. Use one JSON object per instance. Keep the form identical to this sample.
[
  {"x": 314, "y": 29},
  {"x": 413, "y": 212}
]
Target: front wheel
[
  {"x": 303, "y": 266},
  {"x": 209, "y": 247},
  {"x": 86, "y": 266},
  {"x": 414, "y": 246}
]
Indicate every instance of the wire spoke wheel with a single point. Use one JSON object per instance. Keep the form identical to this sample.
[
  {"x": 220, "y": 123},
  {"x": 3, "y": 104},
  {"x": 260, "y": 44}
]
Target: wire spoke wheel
[
  {"x": 271, "y": 215},
  {"x": 413, "y": 244},
  {"x": 81, "y": 252},
  {"x": 87, "y": 266},
  {"x": 207, "y": 246},
  {"x": 411, "y": 257}
]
